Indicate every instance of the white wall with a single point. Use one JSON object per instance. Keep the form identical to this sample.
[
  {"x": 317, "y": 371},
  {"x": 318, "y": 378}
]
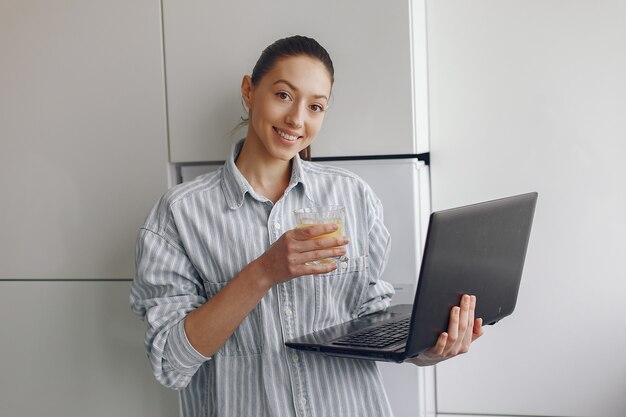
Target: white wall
[
  {"x": 531, "y": 95},
  {"x": 83, "y": 157},
  {"x": 74, "y": 349}
]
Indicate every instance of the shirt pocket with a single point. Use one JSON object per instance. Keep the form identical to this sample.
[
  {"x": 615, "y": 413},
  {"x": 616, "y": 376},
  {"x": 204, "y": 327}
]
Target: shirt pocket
[
  {"x": 248, "y": 337},
  {"x": 339, "y": 293}
]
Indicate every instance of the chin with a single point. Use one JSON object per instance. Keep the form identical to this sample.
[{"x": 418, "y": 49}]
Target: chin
[{"x": 285, "y": 155}]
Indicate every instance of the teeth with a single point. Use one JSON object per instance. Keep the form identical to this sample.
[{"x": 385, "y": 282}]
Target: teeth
[{"x": 286, "y": 136}]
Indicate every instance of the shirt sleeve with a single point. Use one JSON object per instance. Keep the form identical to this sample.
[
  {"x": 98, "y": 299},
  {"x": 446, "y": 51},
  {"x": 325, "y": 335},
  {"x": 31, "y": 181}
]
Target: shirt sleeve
[
  {"x": 166, "y": 287},
  {"x": 378, "y": 294}
]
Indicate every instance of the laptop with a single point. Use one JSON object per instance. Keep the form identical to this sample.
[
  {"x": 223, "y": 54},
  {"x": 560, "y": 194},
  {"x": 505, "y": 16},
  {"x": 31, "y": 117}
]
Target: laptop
[{"x": 477, "y": 249}]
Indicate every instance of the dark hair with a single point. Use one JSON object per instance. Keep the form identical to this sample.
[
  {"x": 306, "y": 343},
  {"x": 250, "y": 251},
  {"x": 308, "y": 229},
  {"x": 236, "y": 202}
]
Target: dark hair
[
  {"x": 288, "y": 47},
  {"x": 292, "y": 46}
]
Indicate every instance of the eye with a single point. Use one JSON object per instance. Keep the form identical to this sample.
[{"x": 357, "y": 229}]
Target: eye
[
  {"x": 316, "y": 108},
  {"x": 283, "y": 95}
]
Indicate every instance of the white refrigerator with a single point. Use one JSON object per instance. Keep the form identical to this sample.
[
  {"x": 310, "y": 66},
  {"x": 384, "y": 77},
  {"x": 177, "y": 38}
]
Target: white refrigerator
[{"x": 406, "y": 216}]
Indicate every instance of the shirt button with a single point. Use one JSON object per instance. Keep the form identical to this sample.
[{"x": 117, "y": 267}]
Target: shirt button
[
  {"x": 288, "y": 312},
  {"x": 343, "y": 265},
  {"x": 302, "y": 401},
  {"x": 276, "y": 225},
  {"x": 294, "y": 357}
]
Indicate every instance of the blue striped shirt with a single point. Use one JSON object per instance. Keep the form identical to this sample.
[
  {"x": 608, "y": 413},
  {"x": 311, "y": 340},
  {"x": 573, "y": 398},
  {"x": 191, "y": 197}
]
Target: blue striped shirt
[{"x": 200, "y": 235}]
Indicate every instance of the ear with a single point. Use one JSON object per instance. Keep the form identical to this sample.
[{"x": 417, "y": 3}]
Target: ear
[{"x": 246, "y": 91}]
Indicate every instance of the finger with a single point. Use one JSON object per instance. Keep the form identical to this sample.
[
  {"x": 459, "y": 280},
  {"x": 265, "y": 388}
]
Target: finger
[
  {"x": 469, "y": 333},
  {"x": 312, "y": 269},
  {"x": 463, "y": 318},
  {"x": 478, "y": 329},
  {"x": 296, "y": 247},
  {"x": 319, "y": 269},
  {"x": 315, "y": 230},
  {"x": 453, "y": 328},
  {"x": 323, "y": 243},
  {"x": 440, "y": 346},
  {"x": 318, "y": 255}
]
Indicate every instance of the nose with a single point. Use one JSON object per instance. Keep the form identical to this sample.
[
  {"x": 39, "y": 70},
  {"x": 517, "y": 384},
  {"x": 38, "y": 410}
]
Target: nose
[{"x": 295, "y": 116}]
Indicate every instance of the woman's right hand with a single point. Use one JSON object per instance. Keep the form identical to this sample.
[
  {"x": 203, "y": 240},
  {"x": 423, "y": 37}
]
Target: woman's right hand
[{"x": 290, "y": 255}]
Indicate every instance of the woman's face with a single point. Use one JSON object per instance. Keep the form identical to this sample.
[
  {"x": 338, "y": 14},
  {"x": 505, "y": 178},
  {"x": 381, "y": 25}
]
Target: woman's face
[{"x": 287, "y": 106}]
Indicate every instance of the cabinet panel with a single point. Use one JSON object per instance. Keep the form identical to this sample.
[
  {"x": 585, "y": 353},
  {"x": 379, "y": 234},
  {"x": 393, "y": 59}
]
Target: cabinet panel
[
  {"x": 210, "y": 46},
  {"x": 83, "y": 147},
  {"x": 72, "y": 349}
]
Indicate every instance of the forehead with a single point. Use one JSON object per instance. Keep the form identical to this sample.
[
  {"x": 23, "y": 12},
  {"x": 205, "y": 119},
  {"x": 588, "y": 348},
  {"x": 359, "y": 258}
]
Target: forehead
[{"x": 303, "y": 72}]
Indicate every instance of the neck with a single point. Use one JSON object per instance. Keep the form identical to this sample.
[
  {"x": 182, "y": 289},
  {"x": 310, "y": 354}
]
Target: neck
[{"x": 268, "y": 176}]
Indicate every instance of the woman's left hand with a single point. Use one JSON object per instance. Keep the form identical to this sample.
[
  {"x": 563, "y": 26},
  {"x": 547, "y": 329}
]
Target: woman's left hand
[{"x": 463, "y": 329}]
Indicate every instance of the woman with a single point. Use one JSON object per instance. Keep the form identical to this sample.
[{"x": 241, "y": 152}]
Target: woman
[{"x": 224, "y": 277}]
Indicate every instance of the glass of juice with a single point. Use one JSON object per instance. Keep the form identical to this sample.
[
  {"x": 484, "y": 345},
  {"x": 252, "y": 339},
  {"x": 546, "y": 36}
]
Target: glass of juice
[{"x": 323, "y": 215}]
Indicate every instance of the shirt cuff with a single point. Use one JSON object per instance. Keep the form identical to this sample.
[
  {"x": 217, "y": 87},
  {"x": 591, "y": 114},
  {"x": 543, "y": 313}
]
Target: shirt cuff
[{"x": 180, "y": 353}]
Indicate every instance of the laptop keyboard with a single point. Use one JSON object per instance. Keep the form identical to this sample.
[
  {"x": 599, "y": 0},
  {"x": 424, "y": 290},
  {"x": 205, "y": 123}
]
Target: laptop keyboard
[{"x": 378, "y": 337}]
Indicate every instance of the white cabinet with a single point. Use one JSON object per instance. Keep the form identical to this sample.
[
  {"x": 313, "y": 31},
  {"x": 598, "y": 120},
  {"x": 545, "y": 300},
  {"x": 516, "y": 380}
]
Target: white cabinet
[
  {"x": 210, "y": 46},
  {"x": 74, "y": 349},
  {"x": 83, "y": 148}
]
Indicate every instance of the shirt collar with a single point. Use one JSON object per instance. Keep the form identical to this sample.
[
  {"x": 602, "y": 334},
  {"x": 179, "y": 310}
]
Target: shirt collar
[
  {"x": 235, "y": 186},
  {"x": 299, "y": 175}
]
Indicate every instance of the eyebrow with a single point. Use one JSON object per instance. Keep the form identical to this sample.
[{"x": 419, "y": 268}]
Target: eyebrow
[{"x": 294, "y": 88}]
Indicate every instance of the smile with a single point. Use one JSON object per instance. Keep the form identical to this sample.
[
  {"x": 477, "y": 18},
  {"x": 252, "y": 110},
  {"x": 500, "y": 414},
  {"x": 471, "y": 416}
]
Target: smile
[{"x": 285, "y": 135}]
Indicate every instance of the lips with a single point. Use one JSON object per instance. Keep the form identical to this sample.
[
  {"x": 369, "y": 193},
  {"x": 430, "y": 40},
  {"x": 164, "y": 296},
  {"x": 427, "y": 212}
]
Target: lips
[{"x": 286, "y": 135}]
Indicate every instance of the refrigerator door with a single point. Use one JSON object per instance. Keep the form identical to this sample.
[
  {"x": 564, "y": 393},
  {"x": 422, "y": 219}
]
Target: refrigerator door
[{"x": 403, "y": 186}]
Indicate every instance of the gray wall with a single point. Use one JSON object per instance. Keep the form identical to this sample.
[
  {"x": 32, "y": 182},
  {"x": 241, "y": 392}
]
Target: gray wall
[
  {"x": 83, "y": 156},
  {"x": 531, "y": 95}
]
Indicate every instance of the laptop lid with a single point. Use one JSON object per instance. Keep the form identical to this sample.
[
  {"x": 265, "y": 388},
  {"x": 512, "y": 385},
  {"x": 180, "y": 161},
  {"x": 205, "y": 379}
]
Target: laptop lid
[{"x": 477, "y": 249}]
